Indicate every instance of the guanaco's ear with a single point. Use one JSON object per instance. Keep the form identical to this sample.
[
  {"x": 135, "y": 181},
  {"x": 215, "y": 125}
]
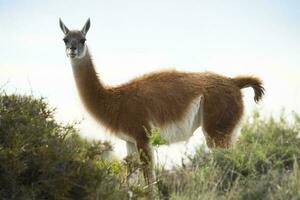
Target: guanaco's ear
[
  {"x": 86, "y": 27},
  {"x": 63, "y": 27}
]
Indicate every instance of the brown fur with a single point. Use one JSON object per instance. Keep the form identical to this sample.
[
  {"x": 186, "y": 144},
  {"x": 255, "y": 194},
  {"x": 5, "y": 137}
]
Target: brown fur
[{"x": 165, "y": 97}]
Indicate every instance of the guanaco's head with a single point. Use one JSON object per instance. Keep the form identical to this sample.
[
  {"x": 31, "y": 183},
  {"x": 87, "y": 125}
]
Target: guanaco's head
[{"x": 75, "y": 40}]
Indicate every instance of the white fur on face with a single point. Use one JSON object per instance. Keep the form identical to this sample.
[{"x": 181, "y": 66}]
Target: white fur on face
[{"x": 184, "y": 129}]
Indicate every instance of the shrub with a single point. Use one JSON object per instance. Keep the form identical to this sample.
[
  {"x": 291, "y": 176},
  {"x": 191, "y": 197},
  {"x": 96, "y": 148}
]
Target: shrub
[
  {"x": 42, "y": 159},
  {"x": 262, "y": 165}
]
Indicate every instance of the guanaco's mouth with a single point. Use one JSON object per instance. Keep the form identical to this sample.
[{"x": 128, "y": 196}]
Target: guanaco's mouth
[{"x": 72, "y": 55}]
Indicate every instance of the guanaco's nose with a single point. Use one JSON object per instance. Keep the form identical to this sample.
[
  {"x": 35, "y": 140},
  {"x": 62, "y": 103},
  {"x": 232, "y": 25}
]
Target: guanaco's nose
[{"x": 73, "y": 48}]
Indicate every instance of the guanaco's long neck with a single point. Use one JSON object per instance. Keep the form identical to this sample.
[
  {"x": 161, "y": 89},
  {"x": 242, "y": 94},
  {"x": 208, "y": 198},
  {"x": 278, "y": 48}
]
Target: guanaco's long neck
[{"x": 93, "y": 94}]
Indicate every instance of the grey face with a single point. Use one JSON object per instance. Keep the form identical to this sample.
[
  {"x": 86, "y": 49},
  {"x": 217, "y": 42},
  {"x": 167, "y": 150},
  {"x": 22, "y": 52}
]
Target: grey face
[{"x": 75, "y": 40}]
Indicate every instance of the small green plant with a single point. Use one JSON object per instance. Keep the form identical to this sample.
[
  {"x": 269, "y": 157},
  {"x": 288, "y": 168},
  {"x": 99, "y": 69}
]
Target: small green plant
[{"x": 155, "y": 137}]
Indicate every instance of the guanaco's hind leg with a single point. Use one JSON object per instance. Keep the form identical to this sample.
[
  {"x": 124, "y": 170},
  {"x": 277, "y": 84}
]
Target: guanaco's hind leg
[
  {"x": 132, "y": 175},
  {"x": 145, "y": 153},
  {"x": 148, "y": 171},
  {"x": 220, "y": 118},
  {"x": 146, "y": 159}
]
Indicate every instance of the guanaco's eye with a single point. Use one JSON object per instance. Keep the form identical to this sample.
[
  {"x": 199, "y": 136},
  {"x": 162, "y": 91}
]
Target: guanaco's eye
[
  {"x": 82, "y": 41},
  {"x": 65, "y": 40}
]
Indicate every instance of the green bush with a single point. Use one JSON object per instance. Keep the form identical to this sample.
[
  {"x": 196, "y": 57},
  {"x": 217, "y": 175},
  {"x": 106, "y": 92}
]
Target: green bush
[
  {"x": 262, "y": 165},
  {"x": 42, "y": 159}
]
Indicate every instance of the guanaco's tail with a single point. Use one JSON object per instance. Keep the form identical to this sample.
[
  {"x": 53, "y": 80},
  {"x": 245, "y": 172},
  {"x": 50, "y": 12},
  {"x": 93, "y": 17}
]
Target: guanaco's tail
[{"x": 255, "y": 83}]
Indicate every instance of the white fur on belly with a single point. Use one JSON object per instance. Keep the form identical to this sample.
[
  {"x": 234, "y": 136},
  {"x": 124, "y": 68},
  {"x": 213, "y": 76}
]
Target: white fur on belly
[
  {"x": 125, "y": 137},
  {"x": 184, "y": 129}
]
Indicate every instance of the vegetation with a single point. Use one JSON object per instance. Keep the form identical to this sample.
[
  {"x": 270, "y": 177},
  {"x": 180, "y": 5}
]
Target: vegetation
[
  {"x": 264, "y": 164},
  {"x": 43, "y": 159}
]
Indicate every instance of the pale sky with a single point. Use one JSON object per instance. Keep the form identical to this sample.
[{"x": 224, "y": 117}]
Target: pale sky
[{"x": 129, "y": 38}]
